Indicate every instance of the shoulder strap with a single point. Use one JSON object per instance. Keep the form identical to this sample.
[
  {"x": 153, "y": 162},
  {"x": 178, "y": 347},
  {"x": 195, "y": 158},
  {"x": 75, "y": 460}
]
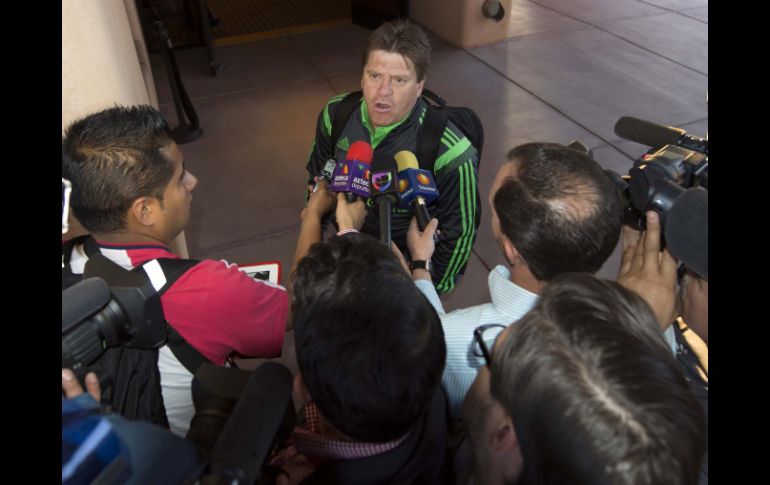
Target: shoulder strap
[
  {"x": 189, "y": 357},
  {"x": 433, "y": 125},
  {"x": 342, "y": 112},
  {"x": 173, "y": 269}
]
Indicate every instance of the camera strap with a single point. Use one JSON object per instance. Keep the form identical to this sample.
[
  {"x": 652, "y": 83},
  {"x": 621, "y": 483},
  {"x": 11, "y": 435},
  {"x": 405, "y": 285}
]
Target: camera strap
[{"x": 185, "y": 353}]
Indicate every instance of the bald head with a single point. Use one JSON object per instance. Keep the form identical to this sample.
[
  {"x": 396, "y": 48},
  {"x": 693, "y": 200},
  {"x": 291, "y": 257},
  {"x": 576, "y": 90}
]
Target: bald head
[{"x": 558, "y": 208}]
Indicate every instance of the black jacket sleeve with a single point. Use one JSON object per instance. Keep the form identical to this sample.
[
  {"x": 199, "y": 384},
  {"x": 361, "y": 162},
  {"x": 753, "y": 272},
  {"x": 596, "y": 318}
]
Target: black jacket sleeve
[
  {"x": 459, "y": 214},
  {"x": 322, "y": 148}
]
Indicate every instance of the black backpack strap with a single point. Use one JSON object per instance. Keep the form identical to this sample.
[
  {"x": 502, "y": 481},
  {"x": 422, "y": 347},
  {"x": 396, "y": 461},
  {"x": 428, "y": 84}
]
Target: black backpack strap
[
  {"x": 189, "y": 357},
  {"x": 433, "y": 125},
  {"x": 342, "y": 112}
]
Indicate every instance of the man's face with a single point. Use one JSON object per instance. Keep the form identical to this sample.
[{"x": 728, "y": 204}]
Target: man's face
[
  {"x": 506, "y": 171},
  {"x": 390, "y": 87},
  {"x": 483, "y": 414},
  {"x": 177, "y": 196}
]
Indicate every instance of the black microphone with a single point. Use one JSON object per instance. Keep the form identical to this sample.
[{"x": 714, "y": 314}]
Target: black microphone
[
  {"x": 687, "y": 230},
  {"x": 384, "y": 190},
  {"x": 256, "y": 420},
  {"x": 327, "y": 172},
  {"x": 655, "y": 135}
]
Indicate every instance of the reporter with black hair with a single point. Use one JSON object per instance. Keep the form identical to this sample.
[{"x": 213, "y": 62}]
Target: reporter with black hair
[{"x": 371, "y": 351}]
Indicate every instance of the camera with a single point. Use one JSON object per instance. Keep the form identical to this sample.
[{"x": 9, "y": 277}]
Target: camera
[
  {"x": 672, "y": 180},
  {"x": 96, "y": 316},
  {"x": 676, "y": 162}
]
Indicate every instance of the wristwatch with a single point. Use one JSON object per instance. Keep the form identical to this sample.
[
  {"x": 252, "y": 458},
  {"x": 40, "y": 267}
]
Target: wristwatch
[{"x": 421, "y": 264}]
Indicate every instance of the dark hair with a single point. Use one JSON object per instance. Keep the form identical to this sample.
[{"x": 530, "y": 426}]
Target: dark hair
[
  {"x": 561, "y": 211},
  {"x": 594, "y": 393},
  {"x": 404, "y": 38},
  {"x": 369, "y": 345},
  {"x": 113, "y": 158}
]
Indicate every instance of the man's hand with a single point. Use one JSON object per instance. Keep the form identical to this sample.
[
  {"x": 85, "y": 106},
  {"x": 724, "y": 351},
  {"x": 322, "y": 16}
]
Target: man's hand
[
  {"x": 71, "y": 387},
  {"x": 350, "y": 215},
  {"x": 649, "y": 272},
  {"x": 400, "y": 256},
  {"x": 320, "y": 203},
  {"x": 421, "y": 244}
]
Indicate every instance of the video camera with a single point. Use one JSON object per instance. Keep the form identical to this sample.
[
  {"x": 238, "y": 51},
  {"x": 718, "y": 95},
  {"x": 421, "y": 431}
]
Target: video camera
[
  {"x": 96, "y": 316},
  {"x": 672, "y": 180},
  {"x": 676, "y": 162}
]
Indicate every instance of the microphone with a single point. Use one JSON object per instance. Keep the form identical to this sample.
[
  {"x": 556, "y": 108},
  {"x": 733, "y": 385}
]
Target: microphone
[
  {"x": 655, "y": 135},
  {"x": 352, "y": 174},
  {"x": 327, "y": 172},
  {"x": 416, "y": 186},
  {"x": 258, "y": 419},
  {"x": 384, "y": 189},
  {"x": 687, "y": 230}
]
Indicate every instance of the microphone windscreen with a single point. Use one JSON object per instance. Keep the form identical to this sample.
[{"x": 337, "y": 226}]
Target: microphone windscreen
[
  {"x": 256, "y": 419},
  {"x": 687, "y": 230},
  {"x": 83, "y": 300},
  {"x": 361, "y": 151},
  {"x": 406, "y": 159},
  {"x": 384, "y": 179},
  {"x": 647, "y": 132}
]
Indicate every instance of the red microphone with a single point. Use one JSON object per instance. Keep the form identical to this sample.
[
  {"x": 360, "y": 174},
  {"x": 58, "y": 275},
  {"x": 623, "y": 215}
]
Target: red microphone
[{"x": 353, "y": 174}]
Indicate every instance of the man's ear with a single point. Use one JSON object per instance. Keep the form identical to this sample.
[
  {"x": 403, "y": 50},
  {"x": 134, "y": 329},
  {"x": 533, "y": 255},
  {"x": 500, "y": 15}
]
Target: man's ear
[
  {"x": 512, "y": 254},
  {"x": 505, "y": 446},
  {"x": 421, "y": 85},
  {"x": 143, "y": 211},
  {"x": 504, "y": 439}
]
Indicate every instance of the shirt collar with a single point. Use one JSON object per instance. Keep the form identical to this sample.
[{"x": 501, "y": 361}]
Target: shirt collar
[
  {"x": 509, "y": 299},
  {"x": 308, "y": 441},
  {"x": 379, "y": 134}
]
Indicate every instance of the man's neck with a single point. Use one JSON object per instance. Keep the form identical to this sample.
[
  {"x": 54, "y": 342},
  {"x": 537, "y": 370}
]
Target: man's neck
[
  {"x": 127, "y": 237},
  {"x": 523, "y": 277}
]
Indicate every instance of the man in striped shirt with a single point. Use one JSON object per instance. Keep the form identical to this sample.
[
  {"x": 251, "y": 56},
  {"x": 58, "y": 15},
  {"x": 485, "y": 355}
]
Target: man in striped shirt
[{"x": 554, "y": 211}]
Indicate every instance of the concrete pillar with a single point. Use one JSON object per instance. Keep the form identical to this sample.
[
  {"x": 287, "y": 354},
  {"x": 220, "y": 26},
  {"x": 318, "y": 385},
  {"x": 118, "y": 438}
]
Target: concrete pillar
[
  {"x": 460, "y": 22},
  {"x": 104, "y": 63}
]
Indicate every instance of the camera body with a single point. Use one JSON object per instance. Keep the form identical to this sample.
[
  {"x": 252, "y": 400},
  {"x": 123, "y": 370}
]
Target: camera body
[
  {"x": 658, "y": 179},
  {"x": 111, "y": 307}
]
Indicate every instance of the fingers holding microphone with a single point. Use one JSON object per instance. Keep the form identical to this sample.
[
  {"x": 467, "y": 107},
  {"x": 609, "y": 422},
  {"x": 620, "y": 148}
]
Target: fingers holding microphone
[
  {"x": 422, "y": 244},
  {"x": 350, "y": 215}
]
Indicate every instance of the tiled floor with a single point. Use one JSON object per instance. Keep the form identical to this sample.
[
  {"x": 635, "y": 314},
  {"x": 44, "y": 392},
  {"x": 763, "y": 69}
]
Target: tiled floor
[{"x": 572, "y": 69}]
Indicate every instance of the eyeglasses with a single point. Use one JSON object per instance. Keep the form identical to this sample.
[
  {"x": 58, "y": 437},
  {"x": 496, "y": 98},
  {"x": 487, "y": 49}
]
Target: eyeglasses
[{"x": 481, "y": 335}]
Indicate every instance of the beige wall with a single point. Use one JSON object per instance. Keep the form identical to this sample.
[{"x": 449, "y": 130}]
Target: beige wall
[
  {"x": 100, "y": 66},
  {"x": 104, "y": 63},
  {"x": 461, "y": 22}
]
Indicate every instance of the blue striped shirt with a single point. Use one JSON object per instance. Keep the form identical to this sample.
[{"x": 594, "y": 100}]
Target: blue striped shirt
[{"x": 509, "y": 303}]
